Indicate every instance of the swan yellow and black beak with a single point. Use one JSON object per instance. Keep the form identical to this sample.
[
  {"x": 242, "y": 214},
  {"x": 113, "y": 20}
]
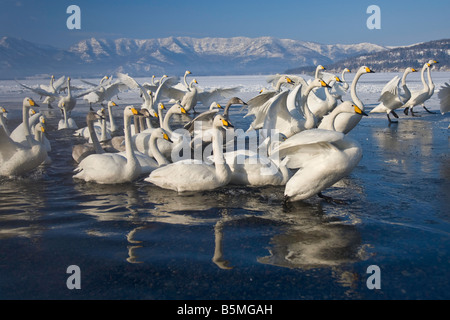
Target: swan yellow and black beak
[
  {"x": 413, "y": 70},
  {"x": 166, "y": 137},
  {"x": 183, "y": 110},
  {"x": 359, "y": 111},
  {"x": 227, "y": 124},
  {"x": 289, "y": 80},
  {"x": 368, "y": 70},
  {"x": 33, "y": 103},
  {"x": 219, "y": 106},
  {"x": 324, "y": 84},
  {"x": 338, "y": 79}
]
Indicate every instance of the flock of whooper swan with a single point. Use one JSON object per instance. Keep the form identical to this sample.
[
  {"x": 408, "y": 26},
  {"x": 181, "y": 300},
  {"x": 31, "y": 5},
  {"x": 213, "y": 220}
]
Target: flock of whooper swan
[{"x": 310, "y": 153}]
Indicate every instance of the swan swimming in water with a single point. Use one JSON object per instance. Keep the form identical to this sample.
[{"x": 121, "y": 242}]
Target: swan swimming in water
[
  {"x": 18, "y": 159},
  {"x": 113, "y": 168},
  {"x": 196, "y": 175}
]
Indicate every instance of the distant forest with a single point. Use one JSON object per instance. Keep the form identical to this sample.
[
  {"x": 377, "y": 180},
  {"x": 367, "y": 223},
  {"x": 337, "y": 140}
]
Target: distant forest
[{"x": 393, "y": 60}]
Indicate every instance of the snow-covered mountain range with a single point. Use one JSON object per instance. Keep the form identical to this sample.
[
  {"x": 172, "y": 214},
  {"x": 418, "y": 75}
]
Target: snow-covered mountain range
[{"x": 173, "y": 55}]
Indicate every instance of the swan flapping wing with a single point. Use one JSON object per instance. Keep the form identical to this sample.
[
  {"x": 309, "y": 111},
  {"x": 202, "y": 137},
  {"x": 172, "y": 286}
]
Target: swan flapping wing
[{"x": 207, "y": 97}]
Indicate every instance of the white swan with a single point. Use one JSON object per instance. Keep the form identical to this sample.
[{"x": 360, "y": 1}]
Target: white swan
[
  {"x": 195, "y": 175},
  {"x": 419, "y": 96},
  {"x": 141, "y": 141},
  {"x": 289, "y": 111},
  {"x": 431, "y": 85},
  {"x": 113, "y": 168},
  {"x": 345, "y": 122},
  {"x": 340, "y": 88},
  {"x": 147, "y": 99},
  {"x": 321, "y": 102},
  {"x": 66, "y": 122},
  {"x": 322, "y": 156},
  {"x": 16, "y": 158},
  {"x": 105, "y": 92},
  {"x": 257, "y": 105},
  {"x": 390, "y": 98}
]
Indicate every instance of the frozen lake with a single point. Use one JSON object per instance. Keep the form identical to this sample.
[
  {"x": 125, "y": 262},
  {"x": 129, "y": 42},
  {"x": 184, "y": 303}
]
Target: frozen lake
[{"x": 136, "y": 241}]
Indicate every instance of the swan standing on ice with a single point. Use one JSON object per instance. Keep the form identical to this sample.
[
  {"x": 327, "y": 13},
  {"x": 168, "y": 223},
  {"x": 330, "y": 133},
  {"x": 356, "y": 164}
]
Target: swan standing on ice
[
  {"x": 431, "y": 85},
  {"x": 419, "y": 96},
  {"x": 196, "y": 175},
  {"x": 390, "y": 98},
  {"x": 113, "y": 168},
  {"x": 18, "y": 159}
]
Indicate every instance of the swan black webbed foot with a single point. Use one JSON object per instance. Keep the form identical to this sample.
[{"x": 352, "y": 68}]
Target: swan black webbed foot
[{"x": 429, "y": 110}]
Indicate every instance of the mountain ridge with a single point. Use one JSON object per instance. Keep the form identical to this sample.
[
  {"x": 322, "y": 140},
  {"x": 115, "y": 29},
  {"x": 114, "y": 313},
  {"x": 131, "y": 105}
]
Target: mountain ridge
[{"x": 172, "y": 55}]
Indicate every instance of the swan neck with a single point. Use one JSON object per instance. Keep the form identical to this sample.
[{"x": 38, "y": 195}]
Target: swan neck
[
  {"x": 353, "y": 94},
  {"x": 166, "y": 123},
  {"x": 222, "y": 169},
  {"x": 26, "y": 121},
  {"x": 425, "y": 84},
  {"x": 94, "y": 138},
  {"x": 131, "y": 157},
  {"x": 111, "y": 119},
  {"x": 155, "y": 151}
]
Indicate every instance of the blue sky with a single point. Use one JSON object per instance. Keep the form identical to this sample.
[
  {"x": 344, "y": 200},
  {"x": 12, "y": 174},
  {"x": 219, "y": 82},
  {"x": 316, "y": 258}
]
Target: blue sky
[{"x": 402, "y": 22}]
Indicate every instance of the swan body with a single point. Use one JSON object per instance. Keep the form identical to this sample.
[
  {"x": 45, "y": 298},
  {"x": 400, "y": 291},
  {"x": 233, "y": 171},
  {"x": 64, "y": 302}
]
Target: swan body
[
  {"x": 113, "y": 168},
  {"x": 196, "y": 175},
  {"x": 345, "y": 122},
  {"x": 444, "y": 99},
  {"x": 18, "y": 159},
  {"x": 254, "y": 169}
]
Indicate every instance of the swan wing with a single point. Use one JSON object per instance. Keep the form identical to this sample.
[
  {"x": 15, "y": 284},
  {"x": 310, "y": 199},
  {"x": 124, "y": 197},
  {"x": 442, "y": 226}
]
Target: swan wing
[
  {"x": 133, "y": 84},
  {"x": 39, "y": 91},
  {"x": 8, "y": 147},
  {"x": 206, "y": 116},
  {"x": 444, "y": 96},
  {"x": 207, "y": 97},
  {"x": 278, "y": 116},
  {"x": 390, "y": 90}
]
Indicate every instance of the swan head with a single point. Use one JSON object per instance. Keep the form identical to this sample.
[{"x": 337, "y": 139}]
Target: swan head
[
  {"x": 3, "y": 110},
  {"x": 215, "y": 105},
  {"x": 320, "y": 67},
  {"x": 359, "y": 111},
  {"x": 347, "y": 70},
  {"x": 101, "y": 113},
  {"x": 318, "y": 83},
  {"x": 161, "y": 106},
  {"x": 112, "y": 104},
  {"x": 28, "y": 102},
  {"x": 132, "y": 111},
  {"x": 160, "y": 133},
  {"x": 221, "y": 122},
  {"x": 31, "y": 112},
  {"x": 178, "y": 109},
  {"x": 337, "y": 79},
  {"x": 365, "y": 69},
  {"x": 187, "y": 72}
]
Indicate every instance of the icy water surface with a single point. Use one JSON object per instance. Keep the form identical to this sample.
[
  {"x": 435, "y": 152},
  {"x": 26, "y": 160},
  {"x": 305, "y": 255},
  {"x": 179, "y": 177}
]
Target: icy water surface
[{"x": 136, "y": 241}]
